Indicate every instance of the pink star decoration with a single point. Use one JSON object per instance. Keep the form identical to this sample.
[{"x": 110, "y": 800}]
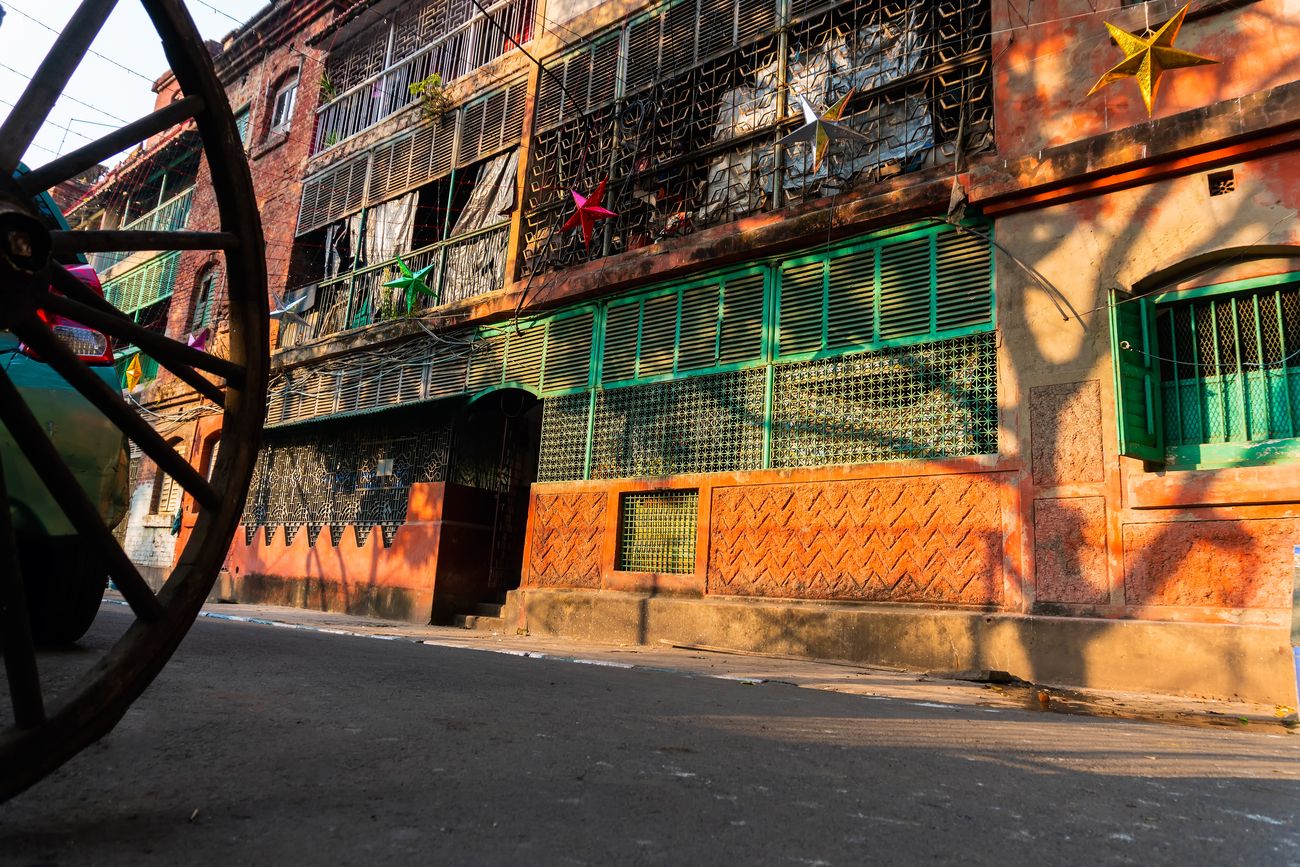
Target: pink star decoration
[{"x": 588, "y": 212}]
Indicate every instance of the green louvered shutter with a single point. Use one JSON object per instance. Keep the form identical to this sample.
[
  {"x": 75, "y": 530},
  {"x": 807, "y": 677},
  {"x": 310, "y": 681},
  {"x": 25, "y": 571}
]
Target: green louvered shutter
[
  {"x": 568, "y": 353},
  {"x": 658, "y": 336},
  {"x": 850, "y": 307},
  {"x": 741, "y": 337},
  {"x": 524, "y": 356},
  {"x": 698, "y": 345},
  {"x": 618, "y": 362},
  {"x": 963, "y": 285},
  {"x": 905, "y": 290},
  {"x": 1137, "y": 377},
  {"x": 803, "y": 307}
]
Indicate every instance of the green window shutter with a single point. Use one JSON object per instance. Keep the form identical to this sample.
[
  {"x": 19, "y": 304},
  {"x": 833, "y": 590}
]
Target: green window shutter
[
  {"x": 618, "y": 362},
  {"x": 524, "y": 356},
  {"x": 568, "y": 353},
  {"x": 963, "y": 282},
  {"x": 850, "y": 313},
  {"x": 446, "y": 375},
  {"x": 741, "y": 336},
  {"x": 485, "y": 364},
  {"x": 658, "y": 335},
  {"x": 1137, "y": 377},
  {"x": 802, "y": 309},
  {"x": 905, "y": 297},
  {"x": 698, "y": 345}
]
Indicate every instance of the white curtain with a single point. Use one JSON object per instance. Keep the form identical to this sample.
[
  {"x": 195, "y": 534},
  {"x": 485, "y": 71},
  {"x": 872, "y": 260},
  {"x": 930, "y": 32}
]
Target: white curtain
[{"x": 493, "y": 196}]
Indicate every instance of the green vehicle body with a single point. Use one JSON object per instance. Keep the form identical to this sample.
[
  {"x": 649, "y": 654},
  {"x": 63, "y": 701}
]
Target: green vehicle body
[{"x": 91, "y": 446}]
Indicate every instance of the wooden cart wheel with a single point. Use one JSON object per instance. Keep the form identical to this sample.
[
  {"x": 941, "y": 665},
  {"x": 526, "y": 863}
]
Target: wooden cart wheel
[{"x": 44, "y": 734}]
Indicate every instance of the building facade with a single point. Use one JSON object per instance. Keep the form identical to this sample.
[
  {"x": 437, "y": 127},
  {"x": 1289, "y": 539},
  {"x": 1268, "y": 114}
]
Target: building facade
[
  {"x": 1006, "y": 375},
  {"x": 164, "y": 185}
]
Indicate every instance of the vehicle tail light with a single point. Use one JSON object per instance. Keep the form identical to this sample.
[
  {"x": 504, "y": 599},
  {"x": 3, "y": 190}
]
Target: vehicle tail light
[{"x": 89, "y": 345}]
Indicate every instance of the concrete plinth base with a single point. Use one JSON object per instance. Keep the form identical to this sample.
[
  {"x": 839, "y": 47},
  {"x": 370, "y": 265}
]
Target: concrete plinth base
[{"x": 1246, "y": 663}]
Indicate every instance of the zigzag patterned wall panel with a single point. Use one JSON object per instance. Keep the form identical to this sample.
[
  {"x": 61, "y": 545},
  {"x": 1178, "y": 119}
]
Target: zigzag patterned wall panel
[
  {"x": 928, "y": 539},
  {"x": 567, "y": 533}
]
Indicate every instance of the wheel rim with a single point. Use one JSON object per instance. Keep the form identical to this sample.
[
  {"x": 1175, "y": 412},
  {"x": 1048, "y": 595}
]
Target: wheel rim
[{"x": 48, "y": 730}]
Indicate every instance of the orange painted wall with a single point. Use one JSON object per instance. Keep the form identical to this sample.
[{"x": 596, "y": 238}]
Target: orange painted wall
[{"x": 1050, "y": 53}]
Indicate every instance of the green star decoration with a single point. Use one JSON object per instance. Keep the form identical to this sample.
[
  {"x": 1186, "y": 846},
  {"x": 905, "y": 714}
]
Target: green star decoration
[{"x": 413, "y": 283}]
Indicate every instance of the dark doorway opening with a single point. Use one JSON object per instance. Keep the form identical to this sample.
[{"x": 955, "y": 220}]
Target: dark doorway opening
[{"x": 495, "y": 448}]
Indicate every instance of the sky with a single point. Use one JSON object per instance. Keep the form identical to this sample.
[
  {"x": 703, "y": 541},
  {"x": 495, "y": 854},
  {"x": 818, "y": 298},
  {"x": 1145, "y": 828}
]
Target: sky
[{"x": 108, "y": 88}]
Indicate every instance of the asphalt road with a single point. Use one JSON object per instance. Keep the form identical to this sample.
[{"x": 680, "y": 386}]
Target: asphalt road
[{"x": 261, "y": 745}]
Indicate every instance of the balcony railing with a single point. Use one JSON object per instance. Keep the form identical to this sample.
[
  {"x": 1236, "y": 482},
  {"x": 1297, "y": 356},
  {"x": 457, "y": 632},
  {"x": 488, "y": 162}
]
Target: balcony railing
[
  {"x": 469, "y": 265},
  {"x": 167, "y": 217},
  {"x": 458, "y": 53}
]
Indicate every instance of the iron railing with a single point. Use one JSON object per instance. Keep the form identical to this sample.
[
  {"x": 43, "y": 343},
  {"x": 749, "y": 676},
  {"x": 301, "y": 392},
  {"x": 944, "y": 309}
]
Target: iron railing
[
  {"x": 465, "y": 266},
  {"x": 1230, "y": 371},
  {"x": 170, "y": 216},
  {"x": 450, "y": 56}
]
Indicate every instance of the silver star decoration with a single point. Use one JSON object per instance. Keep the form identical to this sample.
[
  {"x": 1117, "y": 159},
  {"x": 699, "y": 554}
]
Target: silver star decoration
[
  {"x": 820, "y": 130},
  {"x": 289, "y": 312}
]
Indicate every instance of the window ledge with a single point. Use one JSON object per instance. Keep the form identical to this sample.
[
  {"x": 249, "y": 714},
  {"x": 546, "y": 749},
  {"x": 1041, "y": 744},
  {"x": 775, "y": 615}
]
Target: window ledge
[
  {"x": 271, "y": 142},
  {"x": 1237, "y": 486}
]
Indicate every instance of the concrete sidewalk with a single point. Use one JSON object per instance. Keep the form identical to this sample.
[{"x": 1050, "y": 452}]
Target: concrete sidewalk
[{"x": 928, "y": 689}]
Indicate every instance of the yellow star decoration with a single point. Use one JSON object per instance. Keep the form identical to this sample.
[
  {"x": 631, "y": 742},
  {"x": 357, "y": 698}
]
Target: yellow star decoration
[{"x": 1147, "y": 58}]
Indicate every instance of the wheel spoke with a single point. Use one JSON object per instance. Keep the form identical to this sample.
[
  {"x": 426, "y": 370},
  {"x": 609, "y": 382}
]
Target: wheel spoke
[
  {"x": 39, "y": 337},
  {"x": 72, "y": 164},
  {"x": 45, "y": 88},
  {"x": 73, "y": 288},
  {"x": 131, "y": 240},
  {"x": 26, "y": 431},
  {"x": 16, "y": 628},
  {"x": 160, "y": 347}
]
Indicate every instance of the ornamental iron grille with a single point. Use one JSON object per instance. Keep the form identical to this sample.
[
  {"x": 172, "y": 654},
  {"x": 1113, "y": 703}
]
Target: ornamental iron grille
[
  {"x": 697, "y": 146},
  {"x": 657, "y": 531},
  {"x": 359, "y": 477},
  {"x": 1230, "y": 366},
  {"x": 702, "y": 424},
  {"x": 931, "y": 400},
  {"x": 370, "y": 76}
]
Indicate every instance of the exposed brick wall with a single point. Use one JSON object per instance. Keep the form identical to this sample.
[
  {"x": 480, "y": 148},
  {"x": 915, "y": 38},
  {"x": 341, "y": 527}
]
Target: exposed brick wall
[
  {"x": 931, "y": 539},
  {"x": 277, "y": 163},
  {"x": 566, "y": 540}
]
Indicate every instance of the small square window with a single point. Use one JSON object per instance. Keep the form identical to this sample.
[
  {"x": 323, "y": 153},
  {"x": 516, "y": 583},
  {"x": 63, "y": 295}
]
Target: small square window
[
  {"x": 1222, "y": 183},
  {"x": 657, "y": 532},
  {"x": 282, "y": 108}
]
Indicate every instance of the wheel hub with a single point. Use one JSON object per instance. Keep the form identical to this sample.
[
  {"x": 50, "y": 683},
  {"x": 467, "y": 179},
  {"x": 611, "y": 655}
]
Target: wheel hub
[{"x": 25, "y": 255}]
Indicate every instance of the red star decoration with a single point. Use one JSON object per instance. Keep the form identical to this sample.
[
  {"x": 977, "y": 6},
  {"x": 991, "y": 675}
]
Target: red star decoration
[{"x": 588, "y": 212}]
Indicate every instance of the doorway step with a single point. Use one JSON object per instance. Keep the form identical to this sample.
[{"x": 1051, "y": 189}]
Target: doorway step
[{"x": 484, "y": 616}]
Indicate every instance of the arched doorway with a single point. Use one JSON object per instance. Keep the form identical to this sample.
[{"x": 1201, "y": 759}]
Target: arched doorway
[{"x": 496, "y": 440}]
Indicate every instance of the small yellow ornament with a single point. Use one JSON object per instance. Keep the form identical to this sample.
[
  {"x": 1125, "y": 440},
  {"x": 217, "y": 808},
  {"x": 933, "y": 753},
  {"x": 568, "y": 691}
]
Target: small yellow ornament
[
  {"x": 1146, "y": 58},
  {"x": 134, "y": 372}
]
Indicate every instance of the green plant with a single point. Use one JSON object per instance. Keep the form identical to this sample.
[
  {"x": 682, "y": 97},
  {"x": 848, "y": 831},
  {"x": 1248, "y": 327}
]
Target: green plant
[
  {"x": 328, "y": 92},
  {"x": 432, "y": 95}
]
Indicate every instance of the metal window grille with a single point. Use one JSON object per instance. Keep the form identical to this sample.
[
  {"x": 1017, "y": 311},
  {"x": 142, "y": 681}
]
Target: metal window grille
[
  {"x": 167, "y": 217},
  {"x": 657, "y": 531},
  {"x": 370, "y": 78},
  {"x": 563, "y": 453},
  {"x": 1229, "y": 367},
  {"x": 319, "y": 479},
  {"x": 688, "y": 139},
  {"x": 704, "y": 424},
  {"x": 933, "y": 400}
]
